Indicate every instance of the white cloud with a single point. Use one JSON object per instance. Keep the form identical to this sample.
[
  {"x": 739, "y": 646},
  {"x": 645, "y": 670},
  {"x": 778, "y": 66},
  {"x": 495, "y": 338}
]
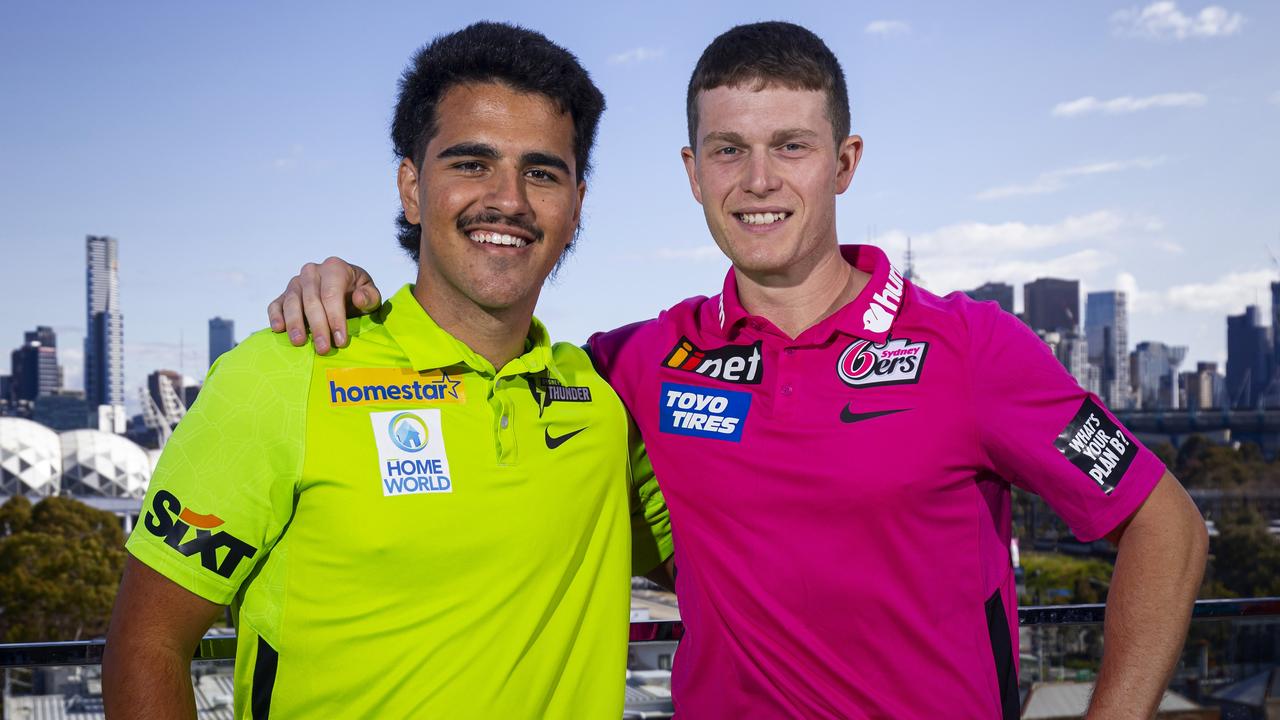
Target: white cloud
[
  {"x": 1127, "y": 104},
  {"x": 1275, "y": 98},
  {"x": 886, "y": 28},
  {"x": 235, "y": 278},
  {"x": 1055, "y": 180},
  {"x": 962, "y": 256},
  {"x": 1163, "y": 20},
  {"x": 1226, "y": 294},
  {"x": 637, "y": 55}
]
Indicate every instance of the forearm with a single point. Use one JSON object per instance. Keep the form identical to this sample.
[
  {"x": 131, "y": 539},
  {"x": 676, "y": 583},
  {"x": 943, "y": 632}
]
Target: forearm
[
  {"x": 1157, "y": 575},
  {"x": 146, "y": 682}
]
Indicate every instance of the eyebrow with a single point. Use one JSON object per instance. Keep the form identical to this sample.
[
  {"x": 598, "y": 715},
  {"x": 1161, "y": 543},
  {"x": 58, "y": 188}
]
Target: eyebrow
[
  {"x": 792, "y": 134},
  {"x": 489, "y": 152},
  {"x": 732, "y": 138}
]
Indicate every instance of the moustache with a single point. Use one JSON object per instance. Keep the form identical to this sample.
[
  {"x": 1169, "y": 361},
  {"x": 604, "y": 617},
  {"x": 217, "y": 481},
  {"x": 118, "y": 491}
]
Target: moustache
[{"x": 496, "y": 218}]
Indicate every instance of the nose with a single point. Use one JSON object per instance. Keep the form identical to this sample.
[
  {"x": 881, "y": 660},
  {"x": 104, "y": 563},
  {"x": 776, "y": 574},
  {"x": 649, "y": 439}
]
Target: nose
[
  {"x": 762, "y": 178},
  {"x": 507, "y": 194}
]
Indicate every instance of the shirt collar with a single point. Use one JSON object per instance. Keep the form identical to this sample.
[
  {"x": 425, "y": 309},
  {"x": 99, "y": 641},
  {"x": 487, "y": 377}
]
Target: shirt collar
[
  {"x": 431, "y": 347},
  {"x": 870, "y": 315}
]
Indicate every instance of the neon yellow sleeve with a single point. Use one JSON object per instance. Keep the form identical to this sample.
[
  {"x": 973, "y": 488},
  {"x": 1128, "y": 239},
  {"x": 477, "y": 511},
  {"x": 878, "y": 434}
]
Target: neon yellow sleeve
[
  {"x": 223, "y": 490},
  {"x": 651, "y": 542}
]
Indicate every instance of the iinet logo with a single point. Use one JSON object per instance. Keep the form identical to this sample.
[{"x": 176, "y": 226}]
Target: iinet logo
[{"x": 884, "y": 304}]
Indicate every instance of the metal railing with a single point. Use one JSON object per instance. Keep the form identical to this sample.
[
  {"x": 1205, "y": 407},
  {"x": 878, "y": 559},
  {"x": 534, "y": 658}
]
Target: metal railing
[{"x": 223, "y": 647}]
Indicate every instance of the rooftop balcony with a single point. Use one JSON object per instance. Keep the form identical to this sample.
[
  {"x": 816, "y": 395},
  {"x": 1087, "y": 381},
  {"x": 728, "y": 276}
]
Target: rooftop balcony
[{"x": 1227, "y": 670}]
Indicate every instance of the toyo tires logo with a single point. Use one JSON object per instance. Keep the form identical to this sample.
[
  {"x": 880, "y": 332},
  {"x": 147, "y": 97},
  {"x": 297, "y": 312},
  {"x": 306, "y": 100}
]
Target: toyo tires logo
[{"x": 895, "y": 362}]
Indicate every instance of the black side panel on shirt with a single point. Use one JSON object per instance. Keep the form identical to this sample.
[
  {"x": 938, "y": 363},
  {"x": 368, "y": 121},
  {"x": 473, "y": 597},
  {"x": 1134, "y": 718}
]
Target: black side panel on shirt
[
  {"x": 1001, "y": 649},
  {"x": 264, "y": 680}
]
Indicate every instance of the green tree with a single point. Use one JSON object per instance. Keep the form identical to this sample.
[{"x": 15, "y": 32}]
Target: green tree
[
  {"x": 1053, "y": 579},
  {"x": 60, "y": 564},
  {"x": 1246, "y": 558}
]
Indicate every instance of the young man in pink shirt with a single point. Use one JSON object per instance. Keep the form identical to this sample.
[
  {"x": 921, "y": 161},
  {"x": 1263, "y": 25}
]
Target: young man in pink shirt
[{"x": 836, "y": 446}]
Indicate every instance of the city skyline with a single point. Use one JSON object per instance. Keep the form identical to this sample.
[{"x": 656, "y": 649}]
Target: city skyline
[{"x": 228, "y": 145}]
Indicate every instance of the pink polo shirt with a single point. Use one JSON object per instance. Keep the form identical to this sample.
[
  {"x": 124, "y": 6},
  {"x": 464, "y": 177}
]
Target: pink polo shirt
[{"x": 840, "y": 501}]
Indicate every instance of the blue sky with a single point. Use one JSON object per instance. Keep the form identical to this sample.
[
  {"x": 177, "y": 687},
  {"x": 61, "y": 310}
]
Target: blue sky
[{"x": 1127, "y": 145}]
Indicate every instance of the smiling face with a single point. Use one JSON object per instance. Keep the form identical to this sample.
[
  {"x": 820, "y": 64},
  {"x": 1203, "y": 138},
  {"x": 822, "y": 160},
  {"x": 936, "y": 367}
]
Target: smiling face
[
  {"x": 496, "y": 197},
  {"x": 767, "y": 170}
]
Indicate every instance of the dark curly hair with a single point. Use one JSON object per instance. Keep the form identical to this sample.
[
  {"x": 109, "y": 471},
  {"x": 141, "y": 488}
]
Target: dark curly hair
[
  {"x": 770, "y": 53},
  {"x": 486, "y": 52}
]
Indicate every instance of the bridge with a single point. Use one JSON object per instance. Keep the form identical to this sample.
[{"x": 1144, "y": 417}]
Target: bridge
[{"x": 1261, "y": 425}]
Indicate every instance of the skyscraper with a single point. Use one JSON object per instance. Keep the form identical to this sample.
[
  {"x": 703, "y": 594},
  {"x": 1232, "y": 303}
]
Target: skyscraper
[
  {"x": 1155, "y": 374},
  {"x": 222, "y": 337},
  {"x": 1002, "y": 293},
  {"x": 1051, "y": 304},
  {"x": 1106, "y": 328},
  {"x": 104, "y": 329},
  {"x": 35, "y": 365},
  {"x": 1248, "y": 359}
]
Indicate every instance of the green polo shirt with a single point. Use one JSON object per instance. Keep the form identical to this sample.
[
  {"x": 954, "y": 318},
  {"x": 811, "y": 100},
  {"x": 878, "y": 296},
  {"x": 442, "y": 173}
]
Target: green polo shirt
[{"x": 405, "y": 530}]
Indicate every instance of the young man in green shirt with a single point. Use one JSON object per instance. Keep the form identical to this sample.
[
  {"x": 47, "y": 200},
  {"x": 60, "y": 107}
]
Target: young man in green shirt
[{"x": 435, "y": 520}]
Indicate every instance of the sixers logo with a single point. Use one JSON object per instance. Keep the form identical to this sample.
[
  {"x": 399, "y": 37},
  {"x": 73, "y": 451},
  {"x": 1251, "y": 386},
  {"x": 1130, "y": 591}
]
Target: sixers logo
[{"x": 866, "y": 364}]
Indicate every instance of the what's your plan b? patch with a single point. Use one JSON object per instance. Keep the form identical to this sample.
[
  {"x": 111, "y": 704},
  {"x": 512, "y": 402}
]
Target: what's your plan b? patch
[{"x": 1096, "y": 445}]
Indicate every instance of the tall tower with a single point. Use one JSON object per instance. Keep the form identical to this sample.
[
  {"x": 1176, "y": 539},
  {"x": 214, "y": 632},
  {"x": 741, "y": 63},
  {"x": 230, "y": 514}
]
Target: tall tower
[
  {"x": 104, "y": 331},
  {"x": 1052, "y": 304},
  {"x": 1106, "y": 328},
  {"x": 222, "y": 337}
]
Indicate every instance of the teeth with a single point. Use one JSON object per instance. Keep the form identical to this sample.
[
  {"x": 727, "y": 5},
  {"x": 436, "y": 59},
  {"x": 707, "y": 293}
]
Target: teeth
[
  {"x": 493, "y": 238},
  {"x": 762, "y": 218}
]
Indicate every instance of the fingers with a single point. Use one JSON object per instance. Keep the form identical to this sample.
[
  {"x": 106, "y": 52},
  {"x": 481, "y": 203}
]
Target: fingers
[
  {"x": 365, "y": 298},
  {"x": 313, "y": 308},
  {"x": 335, "y": 282},
  {"x": 291, "y": 309},
  {"x": 275, "y": 314}
]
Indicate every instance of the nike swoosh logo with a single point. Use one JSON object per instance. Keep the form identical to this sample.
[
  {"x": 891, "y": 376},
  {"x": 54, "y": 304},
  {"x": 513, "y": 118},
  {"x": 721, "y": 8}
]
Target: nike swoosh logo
[
  {"x": 555, "y": 442},
  {"x": 853, "y": 417}
]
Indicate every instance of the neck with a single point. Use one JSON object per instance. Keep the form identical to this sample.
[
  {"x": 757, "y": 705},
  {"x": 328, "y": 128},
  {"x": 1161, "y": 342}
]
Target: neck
[
  {"x": 802, "y": 297},
  {"x": 497, "y": 335}
]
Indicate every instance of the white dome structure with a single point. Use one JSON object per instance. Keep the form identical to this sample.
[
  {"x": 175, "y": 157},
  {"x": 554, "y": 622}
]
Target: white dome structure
[
  {"x": 30, "y": 458},
  {"x": 101, "y": 464}
]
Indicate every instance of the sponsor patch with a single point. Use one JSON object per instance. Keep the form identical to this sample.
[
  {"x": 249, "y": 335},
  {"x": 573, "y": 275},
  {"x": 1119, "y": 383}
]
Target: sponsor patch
[
  {"x": 1096, "y": 445},
  {"x": 411, "y": 452},
  {"x": 740, "y": 364},
  {"x": 400, "y": 386},
  {"x": 703, "y": 412},
  {"x": 548, "y": 391},
  {"x": 190, "y": 532},
  {"x": 884, "y": 304},
  {"x": 895, "y": 362}
]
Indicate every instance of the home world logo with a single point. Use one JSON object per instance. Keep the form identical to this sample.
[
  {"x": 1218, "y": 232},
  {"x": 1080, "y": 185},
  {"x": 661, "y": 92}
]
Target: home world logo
[{"x": 411, "y": 452}]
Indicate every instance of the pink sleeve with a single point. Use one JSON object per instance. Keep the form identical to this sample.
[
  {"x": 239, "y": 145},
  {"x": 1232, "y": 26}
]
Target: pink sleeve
[{"x": 1045, "y": 433}]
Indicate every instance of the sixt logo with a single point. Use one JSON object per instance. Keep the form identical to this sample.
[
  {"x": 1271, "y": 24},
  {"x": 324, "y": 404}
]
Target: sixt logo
[
  {"x": 732, "y": 363},
  {"x": 403, "y": 386},
  {"x": 703, "y": 412},
  {"x": 866, "y": 364},
  {"x": 884, "y": 305},
  {"x": 170, "y": 521}
]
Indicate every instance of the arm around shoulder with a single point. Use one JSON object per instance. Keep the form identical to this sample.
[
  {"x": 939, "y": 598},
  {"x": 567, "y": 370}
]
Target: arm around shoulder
[{"x": 155, "y": 627}]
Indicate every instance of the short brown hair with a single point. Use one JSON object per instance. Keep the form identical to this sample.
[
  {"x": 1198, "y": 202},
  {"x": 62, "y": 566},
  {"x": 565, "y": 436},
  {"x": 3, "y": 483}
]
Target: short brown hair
[{"x": 771, "y": 53}]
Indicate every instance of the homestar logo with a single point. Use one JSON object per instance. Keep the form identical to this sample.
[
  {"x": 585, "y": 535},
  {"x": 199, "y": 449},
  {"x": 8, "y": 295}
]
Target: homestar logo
[
  {"x": 411, "y": 452},
  {"x": 884, "y": 304},
  {"x": 401, "y": 386}
]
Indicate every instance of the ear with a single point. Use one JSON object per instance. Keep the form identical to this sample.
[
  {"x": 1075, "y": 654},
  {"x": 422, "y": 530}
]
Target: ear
[
  {"x": 407, "y": 182},
  {"x": 847, "y": 157},
  {"x": 691, "y": 167},
  {"x": 582, "y": 196}
]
